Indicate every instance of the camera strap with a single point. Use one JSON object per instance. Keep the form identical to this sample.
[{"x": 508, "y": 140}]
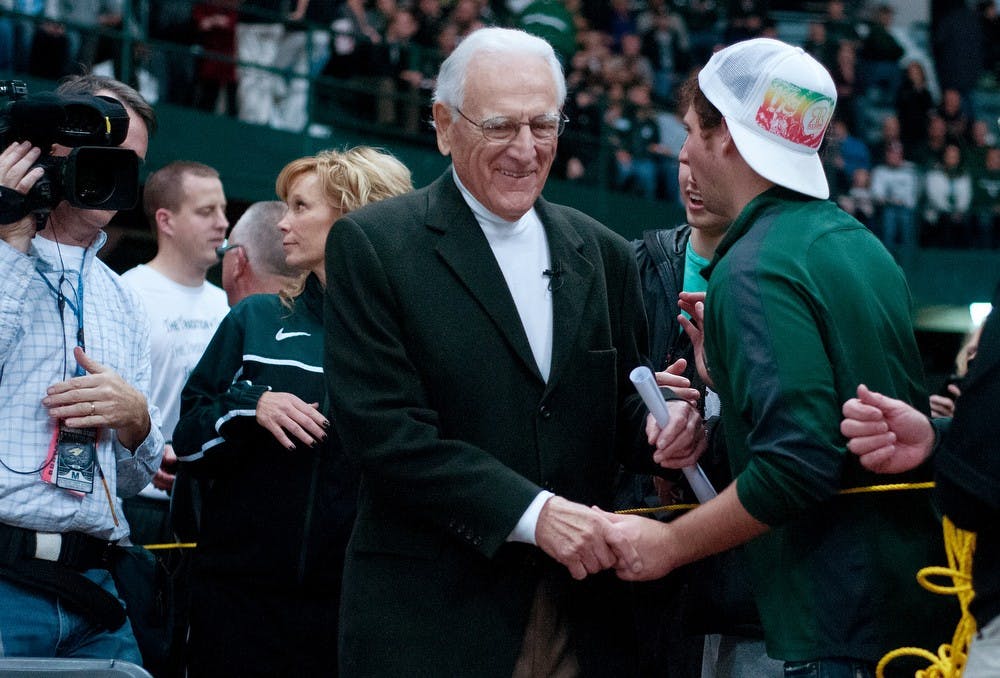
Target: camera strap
[{"x": 13, "y": 206}]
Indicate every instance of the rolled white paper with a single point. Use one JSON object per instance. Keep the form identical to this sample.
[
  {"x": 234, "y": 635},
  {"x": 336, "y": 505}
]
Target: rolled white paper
[{"x": 645, "y": 384}]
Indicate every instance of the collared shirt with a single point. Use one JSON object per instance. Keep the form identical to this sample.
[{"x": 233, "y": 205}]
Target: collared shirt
[{"x": 36, "y": 350}]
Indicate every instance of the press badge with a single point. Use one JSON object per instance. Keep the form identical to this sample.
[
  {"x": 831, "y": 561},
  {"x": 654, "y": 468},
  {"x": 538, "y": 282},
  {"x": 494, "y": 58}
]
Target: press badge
[{"x": 75, "y": 458}]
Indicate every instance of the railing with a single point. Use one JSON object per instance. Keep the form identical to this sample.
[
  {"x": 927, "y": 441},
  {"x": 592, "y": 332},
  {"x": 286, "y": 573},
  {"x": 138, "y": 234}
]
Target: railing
[{"x": 344, "y": 101}]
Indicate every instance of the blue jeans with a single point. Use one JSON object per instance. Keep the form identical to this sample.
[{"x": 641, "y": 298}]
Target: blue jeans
[
  {"x": 737, "y": 657},
  {"x": 984, "y": 653},
  {"x": 830, "y": 668},
  {"x": 36, "y": 624}
]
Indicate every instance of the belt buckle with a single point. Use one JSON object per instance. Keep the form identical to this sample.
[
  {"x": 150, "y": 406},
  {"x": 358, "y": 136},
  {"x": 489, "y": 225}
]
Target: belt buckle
[{"x": 48, "y": 546}]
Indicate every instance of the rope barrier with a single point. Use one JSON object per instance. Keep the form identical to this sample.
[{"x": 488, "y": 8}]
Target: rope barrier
[
  {"x": 960, "y": 546},
  {"x": 165, "y": 547},
  {"x": 656, "y": 509},
  {"x": 949, "y": 662},
  {"x": 889, "y": 487}
]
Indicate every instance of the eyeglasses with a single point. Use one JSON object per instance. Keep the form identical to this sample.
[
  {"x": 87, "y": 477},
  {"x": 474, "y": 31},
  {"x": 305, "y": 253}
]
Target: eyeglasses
[
  {"x": 221, "y": 250},
  {"x": 543, "y": 127}
]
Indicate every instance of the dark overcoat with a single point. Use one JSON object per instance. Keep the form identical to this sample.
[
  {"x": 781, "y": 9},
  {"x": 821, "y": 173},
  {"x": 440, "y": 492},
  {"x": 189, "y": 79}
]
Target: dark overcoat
[{"x": 434, "y": 389}]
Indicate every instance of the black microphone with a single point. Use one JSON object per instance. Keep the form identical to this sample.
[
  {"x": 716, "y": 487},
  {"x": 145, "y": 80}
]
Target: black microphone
[{"x": 554, "y": 275}]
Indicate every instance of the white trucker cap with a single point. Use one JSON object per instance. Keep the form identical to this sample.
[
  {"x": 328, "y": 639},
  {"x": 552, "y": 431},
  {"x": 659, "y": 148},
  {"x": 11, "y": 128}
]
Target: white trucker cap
[{"x": 777, "y": 101}]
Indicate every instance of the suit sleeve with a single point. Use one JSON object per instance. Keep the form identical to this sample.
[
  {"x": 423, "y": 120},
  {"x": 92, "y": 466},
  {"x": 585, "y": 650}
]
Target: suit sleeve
[{"x": 383, "y": 412}]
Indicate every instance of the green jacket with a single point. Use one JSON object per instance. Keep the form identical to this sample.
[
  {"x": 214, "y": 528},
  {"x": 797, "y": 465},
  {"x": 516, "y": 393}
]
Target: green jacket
[
  {"x": 273, "y": 518},
  {"x": 803, "y": 305}
]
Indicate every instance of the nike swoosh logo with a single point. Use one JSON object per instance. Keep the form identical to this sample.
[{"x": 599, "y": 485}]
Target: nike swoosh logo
[{"x": 282, "y": 334}]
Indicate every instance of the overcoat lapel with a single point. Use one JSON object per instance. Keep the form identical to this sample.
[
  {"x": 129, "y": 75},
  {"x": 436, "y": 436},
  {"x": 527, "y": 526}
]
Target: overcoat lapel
[
  {"x": 570, "y": 294},
  {"x": 463, "y": 247}
]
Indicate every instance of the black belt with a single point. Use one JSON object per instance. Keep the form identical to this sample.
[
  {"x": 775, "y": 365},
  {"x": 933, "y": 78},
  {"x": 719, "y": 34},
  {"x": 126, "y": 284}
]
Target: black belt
[
  {"x": 75, "y": 550},
  {"x": 53, "y": 563}
]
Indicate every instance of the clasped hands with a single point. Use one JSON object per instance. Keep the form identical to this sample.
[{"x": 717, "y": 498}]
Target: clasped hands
[{"x": 588, "y": 540}]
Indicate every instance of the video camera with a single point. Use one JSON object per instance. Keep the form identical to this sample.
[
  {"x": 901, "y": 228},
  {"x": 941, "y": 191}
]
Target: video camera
[{"x": 95, "y": 174}]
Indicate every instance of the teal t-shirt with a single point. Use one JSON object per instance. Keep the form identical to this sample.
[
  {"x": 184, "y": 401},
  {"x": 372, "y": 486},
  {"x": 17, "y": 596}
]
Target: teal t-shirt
[{"x": 693, "y": 281}]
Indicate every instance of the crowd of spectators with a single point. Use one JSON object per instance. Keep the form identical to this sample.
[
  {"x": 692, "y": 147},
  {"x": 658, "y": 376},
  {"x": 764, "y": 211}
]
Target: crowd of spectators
[{"x": 908, "y": 155}]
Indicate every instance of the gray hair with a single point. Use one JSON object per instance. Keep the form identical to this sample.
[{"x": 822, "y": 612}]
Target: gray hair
[
  {"x": 257, "y": 231},
  {"x": 498, "y": 42}
]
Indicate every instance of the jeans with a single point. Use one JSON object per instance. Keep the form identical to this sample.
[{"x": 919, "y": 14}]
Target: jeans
[
  {"x": 36, "y": 624},
  {"x": 984, "y": 653},
  {"x": 830, "y": 668},
  {"x": 737, "y": 657}
]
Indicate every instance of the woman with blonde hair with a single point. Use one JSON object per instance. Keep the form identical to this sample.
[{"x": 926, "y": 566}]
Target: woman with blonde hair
[{"x": 281, "y": 500}]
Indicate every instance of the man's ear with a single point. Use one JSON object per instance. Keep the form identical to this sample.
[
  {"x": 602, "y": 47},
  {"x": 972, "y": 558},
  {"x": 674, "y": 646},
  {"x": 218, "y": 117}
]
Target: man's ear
[
  {"x": 242, "y": 265},
  {"x": 163, "y": 221},
  {"x": 442, "y": 123},
  {"x": 726, "y": 143}
]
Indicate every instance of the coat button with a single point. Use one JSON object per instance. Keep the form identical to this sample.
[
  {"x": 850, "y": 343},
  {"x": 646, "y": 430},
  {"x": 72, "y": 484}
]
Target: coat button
[{"x": 544, "y": 412}]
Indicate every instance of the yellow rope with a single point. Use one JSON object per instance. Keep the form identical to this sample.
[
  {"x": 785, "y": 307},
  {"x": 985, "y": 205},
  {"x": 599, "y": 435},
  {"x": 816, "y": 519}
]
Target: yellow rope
[
  {"x": 655, "y": 509},
  {"x": 890, "y": 487},
  {"x": 164, "y": 547},
  {"x": 949, "y": 662}
]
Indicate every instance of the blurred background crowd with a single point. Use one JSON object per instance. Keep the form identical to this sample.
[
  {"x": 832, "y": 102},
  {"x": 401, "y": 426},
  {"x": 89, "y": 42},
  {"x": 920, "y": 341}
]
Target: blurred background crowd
[{"x": 913, "y": 153}]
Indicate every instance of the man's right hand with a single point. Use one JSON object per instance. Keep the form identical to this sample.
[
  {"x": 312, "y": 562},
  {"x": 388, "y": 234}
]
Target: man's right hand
[
  {"x": 573, "y": 534},
  {"x": 888, "y": 435},
  {"x": 682, "y": 441},
  {"x": 649, "y": 539},
  {"x": 17, "y": 173}
]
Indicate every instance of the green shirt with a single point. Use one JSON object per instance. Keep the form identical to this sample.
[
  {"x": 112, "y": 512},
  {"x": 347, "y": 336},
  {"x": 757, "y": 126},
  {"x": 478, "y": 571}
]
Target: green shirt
[{"x": 804, "y": 304}]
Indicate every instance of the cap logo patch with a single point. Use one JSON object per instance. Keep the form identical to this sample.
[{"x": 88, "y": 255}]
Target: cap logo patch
[{"x": 794, "y": 113}]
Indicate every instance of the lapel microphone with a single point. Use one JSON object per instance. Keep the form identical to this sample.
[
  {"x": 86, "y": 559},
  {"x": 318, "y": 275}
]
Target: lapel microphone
[{"x": 554, "y": 275}]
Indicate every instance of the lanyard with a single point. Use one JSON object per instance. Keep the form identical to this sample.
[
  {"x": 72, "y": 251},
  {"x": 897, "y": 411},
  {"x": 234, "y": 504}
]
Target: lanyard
[{"x": 77, "y": 309}]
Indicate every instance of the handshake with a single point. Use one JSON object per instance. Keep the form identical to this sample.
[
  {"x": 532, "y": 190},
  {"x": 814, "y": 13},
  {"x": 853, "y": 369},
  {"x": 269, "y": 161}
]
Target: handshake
[{"x": 589, "y": 540}]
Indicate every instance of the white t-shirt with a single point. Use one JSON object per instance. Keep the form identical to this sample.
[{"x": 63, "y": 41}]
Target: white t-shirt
[{"x": 183, "y": 320}]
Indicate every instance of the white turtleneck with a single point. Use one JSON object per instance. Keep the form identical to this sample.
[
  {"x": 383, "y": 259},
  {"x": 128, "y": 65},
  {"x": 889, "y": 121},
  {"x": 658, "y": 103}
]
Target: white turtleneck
[{"x": 522, "y": 251}]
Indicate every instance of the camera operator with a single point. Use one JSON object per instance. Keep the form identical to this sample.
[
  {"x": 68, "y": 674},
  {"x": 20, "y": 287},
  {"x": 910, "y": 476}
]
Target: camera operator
[{"x": 74, "y": 374}]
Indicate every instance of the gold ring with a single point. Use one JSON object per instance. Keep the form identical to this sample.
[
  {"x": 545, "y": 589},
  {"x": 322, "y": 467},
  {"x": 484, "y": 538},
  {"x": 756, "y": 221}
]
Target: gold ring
[{"x": 93, "y": 408}]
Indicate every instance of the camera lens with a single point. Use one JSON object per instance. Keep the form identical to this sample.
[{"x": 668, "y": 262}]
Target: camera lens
[
  {"x": 94, "y": 186},
  {"x": 102, "y": 178}
]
